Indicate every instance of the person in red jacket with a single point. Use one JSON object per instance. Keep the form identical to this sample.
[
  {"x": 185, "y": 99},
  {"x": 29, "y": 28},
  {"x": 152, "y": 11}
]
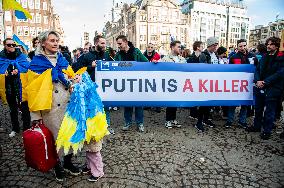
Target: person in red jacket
[{"x": 151, "y": 54}]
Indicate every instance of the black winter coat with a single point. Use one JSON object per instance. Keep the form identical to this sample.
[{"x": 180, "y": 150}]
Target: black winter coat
[{"x": 272, "y": 73}]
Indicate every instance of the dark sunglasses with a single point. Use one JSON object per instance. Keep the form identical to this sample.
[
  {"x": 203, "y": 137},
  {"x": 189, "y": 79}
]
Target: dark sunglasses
[{"x": 11, "y": 45}]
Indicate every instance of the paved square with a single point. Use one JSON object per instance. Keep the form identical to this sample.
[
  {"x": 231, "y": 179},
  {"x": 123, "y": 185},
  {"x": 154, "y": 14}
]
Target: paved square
[{"x": 160, "y": 157}]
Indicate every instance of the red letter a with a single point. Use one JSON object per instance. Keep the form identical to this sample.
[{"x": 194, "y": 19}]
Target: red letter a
[{"x": 187, "y": 85}]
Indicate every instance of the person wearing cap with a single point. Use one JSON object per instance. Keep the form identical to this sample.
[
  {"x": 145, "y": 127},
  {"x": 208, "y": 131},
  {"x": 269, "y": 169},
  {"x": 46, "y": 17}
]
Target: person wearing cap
[
  {"x": 210, "y": 53},
  {"x": 207, "y": 56}
]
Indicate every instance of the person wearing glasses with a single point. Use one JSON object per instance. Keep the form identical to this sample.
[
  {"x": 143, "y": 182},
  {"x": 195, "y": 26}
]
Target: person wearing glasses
[
  {"x": 269, "y": 82},
  {"x": 241, "y": 57},
  {"x": 12, "y": 64}
]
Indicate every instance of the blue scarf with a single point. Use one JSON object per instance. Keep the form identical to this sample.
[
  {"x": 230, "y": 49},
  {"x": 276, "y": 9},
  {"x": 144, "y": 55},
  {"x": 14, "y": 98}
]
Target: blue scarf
[
  {"x": 40, "y": 63},
  {"x": 21, "y": 63}
]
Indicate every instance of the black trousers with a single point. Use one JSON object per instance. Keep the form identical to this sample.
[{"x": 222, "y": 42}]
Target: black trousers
[
  {"x": 14, "y": 111},
  {"x": 203, "y": 113},
  {"x": 171, "y": 113}
]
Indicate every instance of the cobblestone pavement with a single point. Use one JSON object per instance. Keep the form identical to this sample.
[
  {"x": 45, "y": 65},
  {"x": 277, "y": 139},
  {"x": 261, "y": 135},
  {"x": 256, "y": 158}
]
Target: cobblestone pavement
[{"x": 161, "y": 158}]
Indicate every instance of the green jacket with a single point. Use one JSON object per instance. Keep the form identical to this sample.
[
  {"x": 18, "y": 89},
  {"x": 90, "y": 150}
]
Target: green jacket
[{"x": 138, "y": 56}]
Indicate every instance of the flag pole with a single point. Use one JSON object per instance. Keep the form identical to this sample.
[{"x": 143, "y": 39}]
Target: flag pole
[{"x": 3, "y": 35}]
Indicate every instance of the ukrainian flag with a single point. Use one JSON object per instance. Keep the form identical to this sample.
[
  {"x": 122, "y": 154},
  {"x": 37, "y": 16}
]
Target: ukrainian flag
[
  {"x": 19, "y": 42},
  {"x": 20, "y": 12}
]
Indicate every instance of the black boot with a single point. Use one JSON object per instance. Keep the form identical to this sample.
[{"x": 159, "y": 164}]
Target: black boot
[
  {"x": 69, "y": 167},
  {"x": 59, "y": 172}
]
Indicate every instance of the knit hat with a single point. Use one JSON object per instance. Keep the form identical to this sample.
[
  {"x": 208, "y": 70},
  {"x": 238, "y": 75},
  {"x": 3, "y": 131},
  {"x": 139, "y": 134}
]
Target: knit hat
[
  {"x": 211, "y": 41},
  {"x": 221, "y": 50}
]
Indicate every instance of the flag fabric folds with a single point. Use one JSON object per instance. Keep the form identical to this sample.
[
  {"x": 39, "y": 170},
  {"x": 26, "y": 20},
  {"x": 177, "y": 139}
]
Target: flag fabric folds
[
  {"x": 20, "y": 12},
  {"x": 19, "y": 42}
]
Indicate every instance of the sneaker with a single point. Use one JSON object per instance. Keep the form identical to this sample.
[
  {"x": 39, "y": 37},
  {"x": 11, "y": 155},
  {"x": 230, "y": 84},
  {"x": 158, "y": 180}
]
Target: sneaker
[
  {"x": 209, "y": 123},
  {"x": 141, "y": 128},
  {"x": 168, "y": 125},
  {"x": 192, "y": 117},
  {"x": 243, "y": 125},
  {"x": 59, "y": 173},
  {"x": 2, "y": 130},
  {"x": 253, "y": 129},
  {"x": 71, "y": 169},
  {"x": 126, "y": 127},
  {"x": 228, "y": 125},
  {"x": 199, "y": 127},
  {"x": 111, "y": 130},
  {"x": 93, "y": 178},
  {"x": 265, "y": 136},
  {"x": 175, "y": 123},
  {"x": 86, "y": 170},
  {"x": 12, "y": 134}
]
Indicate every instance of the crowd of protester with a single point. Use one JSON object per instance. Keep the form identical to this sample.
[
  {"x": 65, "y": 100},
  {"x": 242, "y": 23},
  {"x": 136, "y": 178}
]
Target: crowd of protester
[{"x": 268, "y": 80}]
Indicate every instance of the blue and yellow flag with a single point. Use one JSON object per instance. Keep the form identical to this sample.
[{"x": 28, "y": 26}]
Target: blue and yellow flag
[
  {"x": 19, "y": 42},
  {"x": 20, "y": 13}
]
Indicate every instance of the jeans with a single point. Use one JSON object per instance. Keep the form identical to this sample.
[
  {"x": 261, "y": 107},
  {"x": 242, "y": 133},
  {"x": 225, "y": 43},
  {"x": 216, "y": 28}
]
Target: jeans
[
  {"x": 107, "y": 111},
  {"x": 266, "y": 119},
  {"x": 242, "y": 115},
  {"x": 139, "y": 115},
  {"x": 171, "y": 113}
]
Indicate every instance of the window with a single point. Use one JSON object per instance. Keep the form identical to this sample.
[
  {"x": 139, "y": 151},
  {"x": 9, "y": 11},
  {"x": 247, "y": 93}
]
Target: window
[
  {"x": 37, "y": 4},
  {"x": 31, "y": 4},
  {"x": 8, "y": 16},
  {"x": 142, "y": 37},
  {"x": 33, "y": 18},
  {"x": 26, "y": 30},
  {"x": 39, "y": 30},
  {"x": 44, "y": 6},
  {"x": 25, "y": 3},
  {"x": 20, "y": 31},
  {"x": 45, "y": 20},
  {"x": 32, "y": 31},
  {"x": 38, "y": 18},
  {"x": 9, "y": 31},
  {"x": 143, "y": 29}
]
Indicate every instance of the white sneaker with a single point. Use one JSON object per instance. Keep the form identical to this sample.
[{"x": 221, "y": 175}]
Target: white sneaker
[
  {"x": 175, "y": 123},
  {"x": 168, "y": 125},
  {"x": 12, "y": 134}
]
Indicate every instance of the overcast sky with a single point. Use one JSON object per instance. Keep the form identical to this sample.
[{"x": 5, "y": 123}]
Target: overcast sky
[{"x": 90, "y": 15}]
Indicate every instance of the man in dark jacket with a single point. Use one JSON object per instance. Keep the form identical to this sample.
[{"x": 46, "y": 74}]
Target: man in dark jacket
[
  {"x": 241, "y": 57},
  {"x": 90, "y": 59},
  {"x": 207, "y": 56},
  {"x": 269, "y": 81},
  {"x": 35, "y": 42},
  {"x": 197, "y": 53},
  {"x": 129, "y": 53},
  {"x": 10, "y": 59}
]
